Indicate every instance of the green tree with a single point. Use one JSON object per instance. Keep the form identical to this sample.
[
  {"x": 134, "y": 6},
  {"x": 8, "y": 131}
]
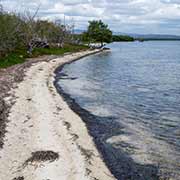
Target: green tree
[
  {"x": 10, "y": 32},
  {"x": 99, "y": 32},
  {"x": 86, "y": 38},
  {"x": 26, "y": 31}
]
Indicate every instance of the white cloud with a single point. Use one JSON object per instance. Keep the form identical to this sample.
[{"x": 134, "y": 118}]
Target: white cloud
[{"x": 139, "y": 16}]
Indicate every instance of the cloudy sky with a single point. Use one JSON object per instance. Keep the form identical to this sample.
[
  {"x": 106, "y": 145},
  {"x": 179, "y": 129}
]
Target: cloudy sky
[{"x": 130, "y": 16}]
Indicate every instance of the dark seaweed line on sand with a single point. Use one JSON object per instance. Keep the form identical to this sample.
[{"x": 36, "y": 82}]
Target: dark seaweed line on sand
[{"x": 119, "y": 163}]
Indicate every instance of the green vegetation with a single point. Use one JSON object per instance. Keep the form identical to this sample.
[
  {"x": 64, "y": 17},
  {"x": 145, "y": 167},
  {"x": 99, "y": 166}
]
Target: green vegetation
[
  {"x": 24, "y": 35},
  {"x": 97, "y": 32},
  {"x": 118, "y": 38},
  {"x": 23, "y": 31},
  {"x": 58, "y": 51},
  {"x": 14, "y": 57},
  {"x": 20, "y": 55}
]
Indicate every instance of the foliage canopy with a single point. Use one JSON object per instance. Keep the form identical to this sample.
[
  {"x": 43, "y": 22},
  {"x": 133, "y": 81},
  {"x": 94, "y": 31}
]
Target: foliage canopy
[{"x": 98, "y": 32}]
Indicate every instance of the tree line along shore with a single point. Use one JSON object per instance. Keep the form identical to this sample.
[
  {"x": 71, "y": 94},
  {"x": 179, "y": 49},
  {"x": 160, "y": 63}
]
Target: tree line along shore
[{"x": 24, "y": 35}]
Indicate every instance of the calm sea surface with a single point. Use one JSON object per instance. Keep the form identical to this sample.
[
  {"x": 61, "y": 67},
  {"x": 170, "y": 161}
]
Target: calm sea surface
[{"x": 137, "y": 87}]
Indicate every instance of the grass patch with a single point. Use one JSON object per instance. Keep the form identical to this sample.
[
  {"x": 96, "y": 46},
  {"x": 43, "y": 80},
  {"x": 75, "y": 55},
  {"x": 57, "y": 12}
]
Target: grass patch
[
  {"x": 58, "y": 51},
  {"x": 19, "y": 56},
  {"x": 12, "y": 58}
]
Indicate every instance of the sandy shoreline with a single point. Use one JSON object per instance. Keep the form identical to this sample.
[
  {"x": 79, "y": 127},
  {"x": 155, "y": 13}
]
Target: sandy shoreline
[{"x": 45, "y": 139}]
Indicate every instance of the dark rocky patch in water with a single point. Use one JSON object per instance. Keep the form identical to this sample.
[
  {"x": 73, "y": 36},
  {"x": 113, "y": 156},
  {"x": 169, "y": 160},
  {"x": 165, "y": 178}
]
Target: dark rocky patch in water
[
  {"x": 120, "y": 164},
  {"x": 129, "y": 99}
]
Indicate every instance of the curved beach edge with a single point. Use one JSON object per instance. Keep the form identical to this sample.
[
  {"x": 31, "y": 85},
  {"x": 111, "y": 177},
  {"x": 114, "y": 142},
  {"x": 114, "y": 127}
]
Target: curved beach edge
[{"x": 45, "y": 139}]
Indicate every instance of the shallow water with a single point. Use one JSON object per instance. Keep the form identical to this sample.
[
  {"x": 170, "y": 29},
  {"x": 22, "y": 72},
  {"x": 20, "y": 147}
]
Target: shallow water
[{"x": 134, "y": 90}]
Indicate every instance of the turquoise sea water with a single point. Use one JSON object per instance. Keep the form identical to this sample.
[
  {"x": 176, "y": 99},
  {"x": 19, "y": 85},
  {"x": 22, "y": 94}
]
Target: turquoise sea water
[{"x": 137, "y": 85}]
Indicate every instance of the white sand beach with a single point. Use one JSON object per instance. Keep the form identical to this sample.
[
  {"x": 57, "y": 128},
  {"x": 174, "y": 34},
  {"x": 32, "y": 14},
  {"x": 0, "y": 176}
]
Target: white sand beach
[{"x": 45, "y": 139}]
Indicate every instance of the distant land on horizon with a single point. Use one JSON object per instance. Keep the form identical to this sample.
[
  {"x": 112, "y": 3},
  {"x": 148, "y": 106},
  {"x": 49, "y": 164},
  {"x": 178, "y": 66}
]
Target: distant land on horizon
[
  {"x": 143, "y": 36},
  {"x": 151, "y": 36}
]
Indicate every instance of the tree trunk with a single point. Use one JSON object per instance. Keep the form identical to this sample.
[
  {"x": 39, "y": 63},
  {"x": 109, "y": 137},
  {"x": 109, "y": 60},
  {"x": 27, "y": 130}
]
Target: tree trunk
[{"x": 102, "y": 44}]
